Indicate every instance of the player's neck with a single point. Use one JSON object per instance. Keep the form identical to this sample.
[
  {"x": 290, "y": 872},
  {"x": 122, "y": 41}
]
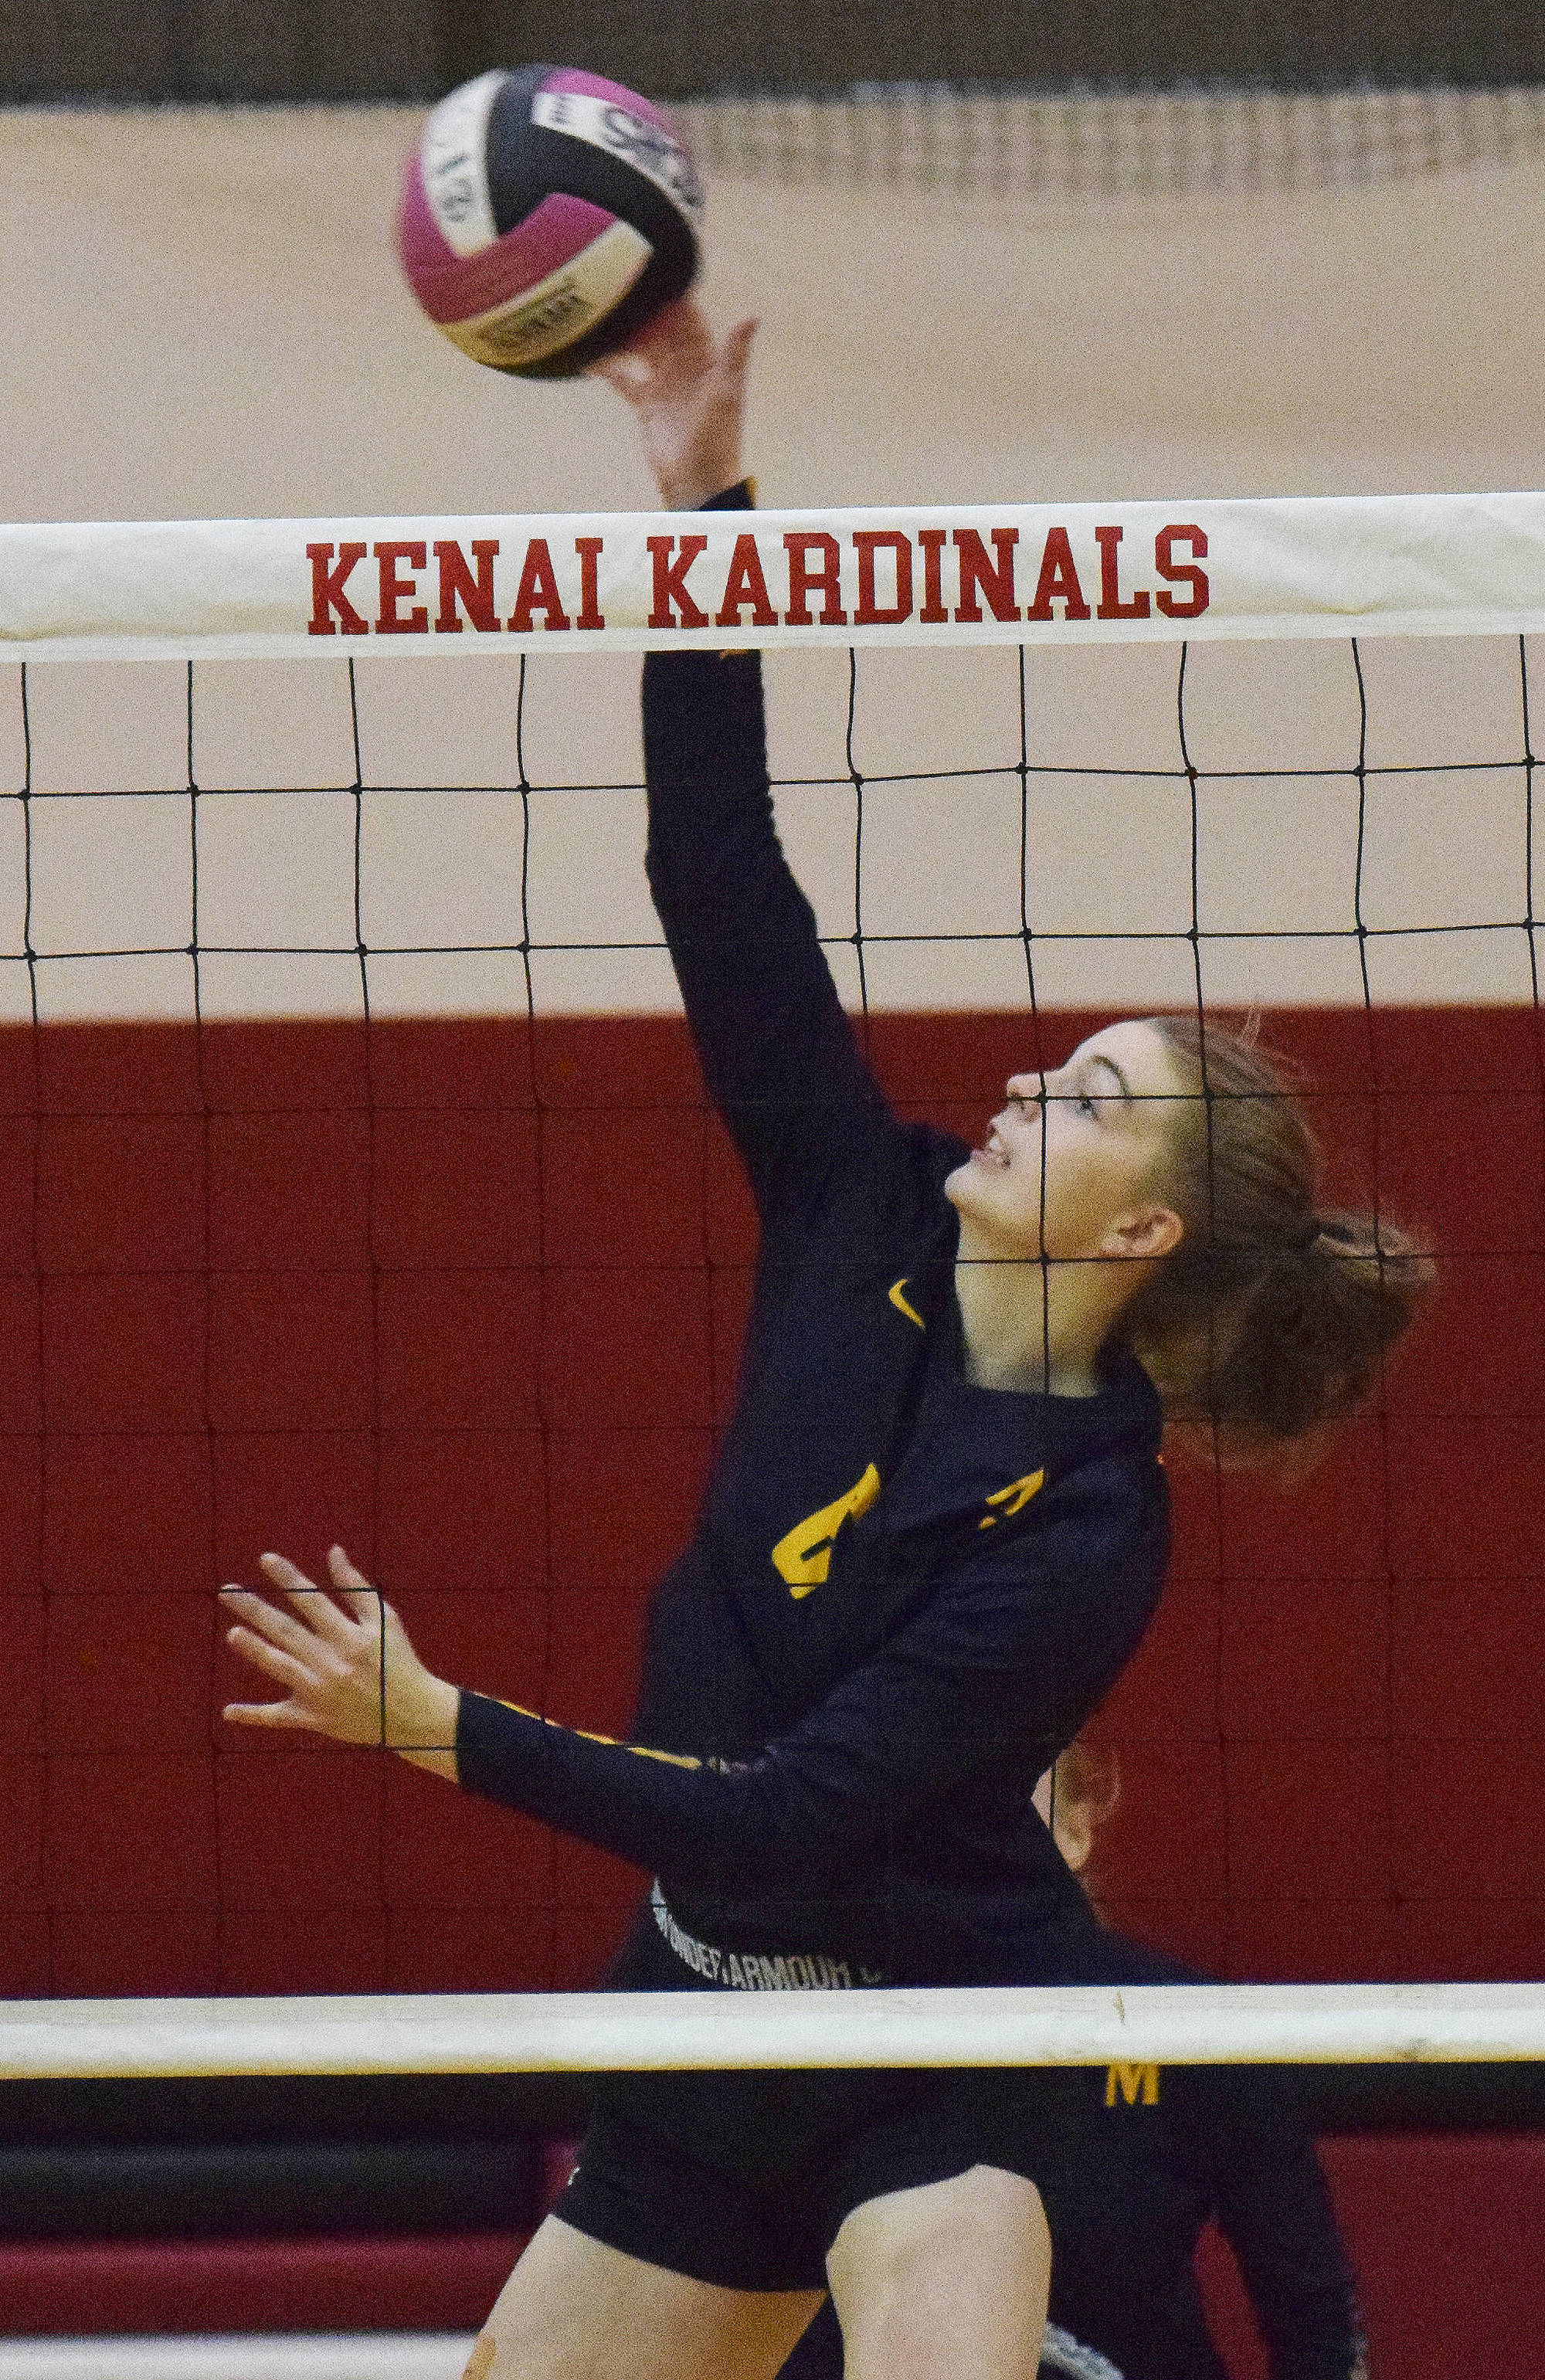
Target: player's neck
[{"x": 1025, "y": 1325}]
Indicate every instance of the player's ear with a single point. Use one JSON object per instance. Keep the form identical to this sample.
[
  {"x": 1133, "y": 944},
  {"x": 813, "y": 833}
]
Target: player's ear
[{"x": 1144, "y": 1234}]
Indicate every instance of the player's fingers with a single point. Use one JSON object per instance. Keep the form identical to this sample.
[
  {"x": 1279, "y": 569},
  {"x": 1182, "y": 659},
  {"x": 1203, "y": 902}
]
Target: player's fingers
[
  {"x": 673, "y": 348},
  {"x": 277, "y": 1626},
  {"x": 738, "y": 343},
  {"x": 678, "y": 332},
  {"x": 627, "y": 371},
  {"x": 655, "y": 349},
  {"x": 284, "y": 1714},
  {"x": 353, "y": 1585},
  {"x": 344, "y": 1575},
  {"x": 313, "y": 1603},
  {"x": 272, "y": 1659},
  {"x": 286, "y": 1573}
]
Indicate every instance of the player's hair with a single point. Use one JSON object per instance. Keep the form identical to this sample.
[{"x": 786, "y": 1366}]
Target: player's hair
[{"x": 1272, "y": 1319}]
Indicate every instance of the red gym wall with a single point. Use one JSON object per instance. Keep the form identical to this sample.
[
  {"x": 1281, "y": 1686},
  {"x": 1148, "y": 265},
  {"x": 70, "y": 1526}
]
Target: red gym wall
[{"x": 469, "y": 1299}]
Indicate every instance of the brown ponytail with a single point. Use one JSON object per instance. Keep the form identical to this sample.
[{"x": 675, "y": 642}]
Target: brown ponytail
[{"x": 1273, "y": 1317}]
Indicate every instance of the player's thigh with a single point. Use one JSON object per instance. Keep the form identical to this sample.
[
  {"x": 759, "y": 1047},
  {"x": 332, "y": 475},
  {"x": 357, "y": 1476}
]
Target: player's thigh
[
  {"x": 575, "y": 2308},
  {"x": 947, "y": 2281}
]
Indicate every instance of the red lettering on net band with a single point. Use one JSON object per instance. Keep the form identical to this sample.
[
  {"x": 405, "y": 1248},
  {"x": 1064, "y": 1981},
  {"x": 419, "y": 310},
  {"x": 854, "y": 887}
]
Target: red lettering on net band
[
  {"x": 816, "y": 547},
  {"x": 1184, "y": 573},
  {"x": 1058, "y": 582},
  {"x": 538, "y": 591},
  {"x": 590, "y": 613},
  {"x": 328, "y": 581},
  {"x": 395, "y": 590},
  {"x": 747, "y": 584},
  {"x": 870, "y": 542},
  {"x": 670, "y": 582},
  {"x": 457, "y": 585},
  {"x": 932, "y": 541},
  {"x": 1110, "y": 606},
  {"x": 995, "y": 579}
]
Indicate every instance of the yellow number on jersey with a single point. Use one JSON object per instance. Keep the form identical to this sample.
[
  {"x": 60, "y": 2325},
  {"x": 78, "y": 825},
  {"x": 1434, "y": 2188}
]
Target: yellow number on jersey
[
  {"x": 1013, "y": 1497},
  {"x": 803, "y": 1557}
]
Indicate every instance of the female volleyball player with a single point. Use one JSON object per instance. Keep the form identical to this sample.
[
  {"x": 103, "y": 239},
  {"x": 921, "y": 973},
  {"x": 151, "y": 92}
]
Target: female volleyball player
[
  {"x": 933, "y": 1537},
  {"x": 1154, "y": 2154}
]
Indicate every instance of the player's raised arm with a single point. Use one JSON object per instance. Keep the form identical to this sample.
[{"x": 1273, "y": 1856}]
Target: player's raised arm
[{"x": 777, "y": 1046}]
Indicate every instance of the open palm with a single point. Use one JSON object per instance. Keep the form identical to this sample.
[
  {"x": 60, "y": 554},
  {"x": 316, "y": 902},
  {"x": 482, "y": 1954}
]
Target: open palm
[
  {"x": 689, "y": 393},
  {"x": 344, "y": 1659}
]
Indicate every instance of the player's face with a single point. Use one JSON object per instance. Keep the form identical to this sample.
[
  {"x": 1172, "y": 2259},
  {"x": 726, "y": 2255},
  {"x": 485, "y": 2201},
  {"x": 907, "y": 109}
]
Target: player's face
[{"x": 1073, "y": 1166}]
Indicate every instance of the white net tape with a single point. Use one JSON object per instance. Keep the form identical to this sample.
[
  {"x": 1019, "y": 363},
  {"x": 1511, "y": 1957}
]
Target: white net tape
[
  {"x": 1030, "y": 574},
  {"x": 429, "y": 2355},
  {"x": 607, "y": 2031}
]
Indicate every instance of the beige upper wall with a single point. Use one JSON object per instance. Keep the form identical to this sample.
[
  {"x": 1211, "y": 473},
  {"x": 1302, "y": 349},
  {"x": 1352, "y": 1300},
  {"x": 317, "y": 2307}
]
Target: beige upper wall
[{"x": 204, "y": 317}]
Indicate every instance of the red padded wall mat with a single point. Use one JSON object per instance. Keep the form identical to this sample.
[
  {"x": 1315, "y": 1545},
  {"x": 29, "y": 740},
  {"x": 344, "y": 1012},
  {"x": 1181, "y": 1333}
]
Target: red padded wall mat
[
  {"x": 1444, "y": 2233},
  {"x": 154, "y": 2288},
  {"x": 467, "y": 1295}
]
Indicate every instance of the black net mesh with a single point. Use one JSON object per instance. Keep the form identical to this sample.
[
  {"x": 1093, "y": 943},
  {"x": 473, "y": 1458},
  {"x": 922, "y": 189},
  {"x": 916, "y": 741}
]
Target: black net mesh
[
  {"x": 358, "y": 1185},
  {"x": 1054, "y": 99}
]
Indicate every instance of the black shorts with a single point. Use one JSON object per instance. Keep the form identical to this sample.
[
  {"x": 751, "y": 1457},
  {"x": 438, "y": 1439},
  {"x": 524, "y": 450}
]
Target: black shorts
[{"x": 743, "y": 2180}]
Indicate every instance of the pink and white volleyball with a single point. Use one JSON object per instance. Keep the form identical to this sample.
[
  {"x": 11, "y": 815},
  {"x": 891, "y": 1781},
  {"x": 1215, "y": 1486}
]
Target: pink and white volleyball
[{"x": 546, "y": 214}]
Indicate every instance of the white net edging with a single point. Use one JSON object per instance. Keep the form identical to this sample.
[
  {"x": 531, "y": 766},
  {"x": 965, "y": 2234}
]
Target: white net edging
[
  {"x": 297, "y": 2355},
  {"x": 1011, "y": 574},
  {"x": 611, "y": 2032}
]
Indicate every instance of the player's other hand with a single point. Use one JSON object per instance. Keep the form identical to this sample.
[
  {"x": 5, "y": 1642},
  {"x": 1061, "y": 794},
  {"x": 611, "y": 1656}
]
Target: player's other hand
[
  {"x": 687, "y": 392},
  {"x": 342, "y": 1661}
]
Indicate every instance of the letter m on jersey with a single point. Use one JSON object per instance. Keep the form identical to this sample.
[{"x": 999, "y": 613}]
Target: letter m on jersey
[
  {"x": 803, "y": 1557},
  {"x": 1134, "y": 2083}
]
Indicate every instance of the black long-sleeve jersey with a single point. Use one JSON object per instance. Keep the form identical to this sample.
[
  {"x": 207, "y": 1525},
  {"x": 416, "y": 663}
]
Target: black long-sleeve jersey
[
  {"x": 1153, "y": 2155},
  {"x": 906, "y": 1592}
]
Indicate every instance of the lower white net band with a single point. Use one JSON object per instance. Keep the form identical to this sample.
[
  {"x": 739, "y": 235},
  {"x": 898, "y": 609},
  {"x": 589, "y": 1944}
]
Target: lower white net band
[
  {"x": 609, "y": 2032},
  {"x": 299, "y": 2355}
]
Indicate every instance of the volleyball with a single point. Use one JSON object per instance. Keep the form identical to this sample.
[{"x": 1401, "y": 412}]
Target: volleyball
[{"x": 546, "y": 214}]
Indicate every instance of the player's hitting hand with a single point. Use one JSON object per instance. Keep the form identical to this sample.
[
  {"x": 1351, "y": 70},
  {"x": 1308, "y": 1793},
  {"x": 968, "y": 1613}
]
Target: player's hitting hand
[
  {"x": 689, "y": 393},
  {"x": 346, "y": 1665}
]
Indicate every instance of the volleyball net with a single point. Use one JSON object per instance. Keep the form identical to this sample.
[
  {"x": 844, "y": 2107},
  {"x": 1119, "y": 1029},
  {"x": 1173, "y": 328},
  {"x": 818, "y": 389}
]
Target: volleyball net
[
  {"x": 328, "y": 970},
  {"x": 1054, "y": 102},
  {"x": 358, "y": 1185}
]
